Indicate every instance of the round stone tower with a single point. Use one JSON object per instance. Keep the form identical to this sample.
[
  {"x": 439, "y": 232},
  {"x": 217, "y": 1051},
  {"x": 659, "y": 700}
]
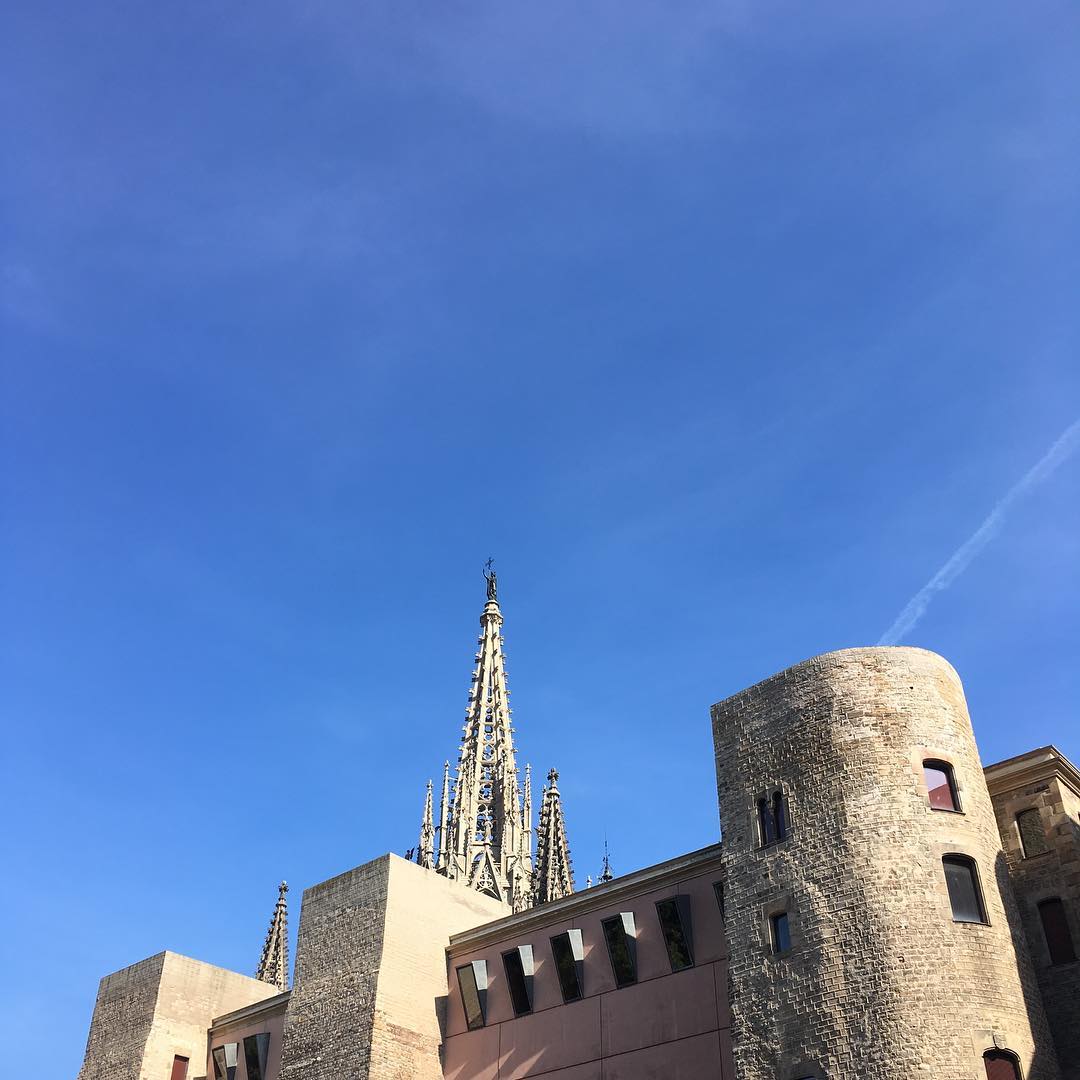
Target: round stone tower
[{"x": 851, "y": 954}]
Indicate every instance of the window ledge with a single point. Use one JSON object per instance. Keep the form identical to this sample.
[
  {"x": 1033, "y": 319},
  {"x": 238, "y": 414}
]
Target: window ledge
[
  {"x": 774, "y": 843},
  {"x": 948, "y": 810}
]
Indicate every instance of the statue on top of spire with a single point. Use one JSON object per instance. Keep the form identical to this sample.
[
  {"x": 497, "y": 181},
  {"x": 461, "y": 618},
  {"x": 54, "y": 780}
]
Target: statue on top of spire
[{"x": 492, "y": 580}]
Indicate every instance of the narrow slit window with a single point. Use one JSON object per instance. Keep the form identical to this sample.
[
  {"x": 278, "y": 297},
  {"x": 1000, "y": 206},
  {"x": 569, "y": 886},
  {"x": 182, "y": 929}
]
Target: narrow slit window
[
  {"x": 569, "y": 954},
  {"x": 1001, "y": 1065},
  {"x": 766, "y": 824},
  {"x": 1032, "y": 834},
  {"x": 472, "y": 981},
  {"x": 779, "y": 812},
  {"x": 965, "y": 896},
  {"x": 718, "y": 889},
  {"x": 674, "y": 915},
  {"x": 781, "y": 932},
  {"x": 519, "y": 977},
  {"x": 179, "y": 1068},
  {"x": 1055, "y": 924},
  {"x": 620, "y": 935},
  {"x": 256, "y": 1055},
  {"x": 941, "y": 785}
]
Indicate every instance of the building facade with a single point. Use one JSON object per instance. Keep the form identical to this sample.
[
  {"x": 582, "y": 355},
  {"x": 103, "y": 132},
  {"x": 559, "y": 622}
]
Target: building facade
[{"x": 879, "y": 906}]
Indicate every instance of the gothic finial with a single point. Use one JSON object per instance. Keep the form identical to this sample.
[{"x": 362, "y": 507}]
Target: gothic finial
[
  {"x": 491, "y": 579},
  {"x": 444, "y": 818},
  {"x": 274, "y": 962},
  {"x": 425, "y": 853}
]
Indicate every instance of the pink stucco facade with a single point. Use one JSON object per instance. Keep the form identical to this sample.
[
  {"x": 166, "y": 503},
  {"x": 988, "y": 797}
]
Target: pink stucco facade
[
  {"x": 267, "y": 1017},
  {"x": 667, "y": 1024}
]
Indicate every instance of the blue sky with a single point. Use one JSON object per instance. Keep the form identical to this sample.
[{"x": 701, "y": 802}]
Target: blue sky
[{"x": 721, "y": 326}]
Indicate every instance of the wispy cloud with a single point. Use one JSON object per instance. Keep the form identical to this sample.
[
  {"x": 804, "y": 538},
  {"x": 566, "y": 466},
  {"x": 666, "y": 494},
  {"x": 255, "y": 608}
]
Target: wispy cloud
[{"x": 961, "y": 559}]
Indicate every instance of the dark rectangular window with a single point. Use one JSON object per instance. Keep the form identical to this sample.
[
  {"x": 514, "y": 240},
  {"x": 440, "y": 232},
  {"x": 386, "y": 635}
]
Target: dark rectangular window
[
  {"x": 472, "y": 981},
  {"x": 674, "y": 915},
  {"x": 179, "y": 1068},
  {"x": 519, "y": 975},
  {"x": 964, "y": 894},
  {"x": 1032, "y": 834},
  {"x": 781, "y": 932},
  {"x": 620, "y": 935},
  {"x": 256, "y": 1055},
  {"x": 1055, "y": 924},
  {"x": 940, "y": 785},
  {"x": 225, "y": 1061},
  {"x": 569, "y": 956}
]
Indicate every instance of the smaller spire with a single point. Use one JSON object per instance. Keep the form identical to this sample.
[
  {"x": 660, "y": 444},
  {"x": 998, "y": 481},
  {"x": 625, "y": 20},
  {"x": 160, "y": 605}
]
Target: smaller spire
[
  {"x": 425, "y": 852},
  {"x": 274, "y": 963},
  {"x": 553, "y": 877}
]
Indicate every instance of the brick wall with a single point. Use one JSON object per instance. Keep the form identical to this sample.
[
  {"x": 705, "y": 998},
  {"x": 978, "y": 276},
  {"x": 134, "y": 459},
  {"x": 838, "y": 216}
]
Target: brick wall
[{"x": 880, "y": 981}]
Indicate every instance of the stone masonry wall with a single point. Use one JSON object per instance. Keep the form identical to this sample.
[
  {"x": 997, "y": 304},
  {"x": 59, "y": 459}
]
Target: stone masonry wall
[
  {"x": 371, "y": 972},
  {"x": 339, "y": 947},
  {"x": 123, "y": 1013},
  {"x": 1054, "y": 873},
  {"x": 880, "y": 981}
]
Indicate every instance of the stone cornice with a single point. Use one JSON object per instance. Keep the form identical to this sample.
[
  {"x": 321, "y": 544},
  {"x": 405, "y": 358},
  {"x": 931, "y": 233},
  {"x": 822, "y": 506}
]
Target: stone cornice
[
  {"x": 270, "y": 1005},
  {"x": 1044, "y": 763}
]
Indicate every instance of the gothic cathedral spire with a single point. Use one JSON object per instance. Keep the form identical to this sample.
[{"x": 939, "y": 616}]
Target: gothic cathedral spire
[
  {"x": 553, "y": 877},
  {"x": 274, "y": 963},
  {"x": 485, "y": 827}
]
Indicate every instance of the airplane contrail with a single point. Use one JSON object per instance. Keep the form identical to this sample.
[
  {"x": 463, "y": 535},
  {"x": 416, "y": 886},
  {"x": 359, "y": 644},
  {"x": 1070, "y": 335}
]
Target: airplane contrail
[{"x": 962, "y": 557}]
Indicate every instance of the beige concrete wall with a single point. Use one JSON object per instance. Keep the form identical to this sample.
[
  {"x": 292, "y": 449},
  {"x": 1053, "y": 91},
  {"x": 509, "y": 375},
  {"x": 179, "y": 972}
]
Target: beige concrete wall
[
  {"x": 1043, "y": 784},
  {"x": 159, "y": 1008},
  {"x": 880, "y": 982},
  {"x": 370, "y": 972}
]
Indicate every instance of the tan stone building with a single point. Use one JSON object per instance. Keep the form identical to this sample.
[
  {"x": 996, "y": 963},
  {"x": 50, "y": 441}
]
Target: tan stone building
[{"x": 880, "y": 906}]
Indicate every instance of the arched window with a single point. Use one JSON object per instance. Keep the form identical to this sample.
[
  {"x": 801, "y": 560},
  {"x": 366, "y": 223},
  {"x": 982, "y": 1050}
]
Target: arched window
[
  {"x": 1001, "y": 1065},
  {"x": 1055, "y": 924},
  {"x": 940, "y": 785},
  {"x": 965, "y": 896},
  {"x": 772, "y": 818},
  {"x": 1032, "y": 834}
]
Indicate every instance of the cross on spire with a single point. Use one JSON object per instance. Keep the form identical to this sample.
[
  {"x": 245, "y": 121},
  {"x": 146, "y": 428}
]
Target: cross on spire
[{"x": 274, "y": 963}]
